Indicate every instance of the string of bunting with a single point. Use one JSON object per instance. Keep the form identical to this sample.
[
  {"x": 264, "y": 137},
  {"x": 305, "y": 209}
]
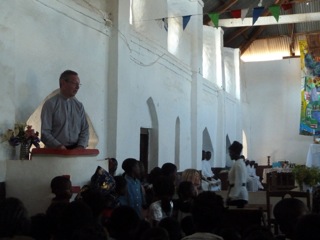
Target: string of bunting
[
  {"x": 239, "y": 13},
  {"x": 256, "y": 13}
]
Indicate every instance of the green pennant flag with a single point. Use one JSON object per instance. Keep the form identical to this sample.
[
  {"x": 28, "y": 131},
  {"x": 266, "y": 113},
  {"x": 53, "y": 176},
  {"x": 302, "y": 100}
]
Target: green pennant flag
[
  {"x": 275, "y": 10},
  {"x": 214, "y": 18}
]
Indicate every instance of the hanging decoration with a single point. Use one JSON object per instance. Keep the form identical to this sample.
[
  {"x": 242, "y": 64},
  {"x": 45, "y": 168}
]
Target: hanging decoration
[
  {"x": 244, "y": 13},
  {"x": 165, "y": 22},
  {"x": 275, "y": 11},
  {"x": 286, "y": 6},
  {"x": 256, "y": 14},
  {"x": 159, "y": 22},
  {"x": 236, "y": 13},
  {"x": 185, "y": 21},
  {"x": 310, "y": 86},
  {"x": 215, "y": 19}
]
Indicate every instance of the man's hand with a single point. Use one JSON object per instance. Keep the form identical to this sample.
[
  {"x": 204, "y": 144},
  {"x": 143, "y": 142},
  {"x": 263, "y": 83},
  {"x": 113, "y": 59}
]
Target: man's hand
[
  {"x": 62, "y": 147},
  {"x": 79, "y": 147}
]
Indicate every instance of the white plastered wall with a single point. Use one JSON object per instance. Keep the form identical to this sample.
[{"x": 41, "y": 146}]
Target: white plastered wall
[
  {"x": 273, "y": 96},
  {"x": 121, "y": 69},
  {"x": 40, "y": 40}
]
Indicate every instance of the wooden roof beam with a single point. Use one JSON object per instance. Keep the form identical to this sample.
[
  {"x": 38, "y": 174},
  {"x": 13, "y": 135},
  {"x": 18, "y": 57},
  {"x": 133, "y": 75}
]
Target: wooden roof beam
[{"x": 270, "y": 20}]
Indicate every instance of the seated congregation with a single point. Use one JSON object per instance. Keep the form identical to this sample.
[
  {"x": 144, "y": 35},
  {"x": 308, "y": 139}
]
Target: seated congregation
[
  {"x": 157, "y": 205},
  {"x": 216, "y": 179}
]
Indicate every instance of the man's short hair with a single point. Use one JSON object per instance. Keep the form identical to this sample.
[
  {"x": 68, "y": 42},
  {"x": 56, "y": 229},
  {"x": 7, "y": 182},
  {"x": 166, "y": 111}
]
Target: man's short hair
[
  {"x": 128, "y": 164},
  {"x": 236, "y": 147},
  {"x": 66, "y": 74}
]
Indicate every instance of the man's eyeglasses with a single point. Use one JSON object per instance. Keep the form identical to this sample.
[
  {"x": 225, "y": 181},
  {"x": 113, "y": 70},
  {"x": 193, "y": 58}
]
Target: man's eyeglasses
[{"x": 73, "y": 83}]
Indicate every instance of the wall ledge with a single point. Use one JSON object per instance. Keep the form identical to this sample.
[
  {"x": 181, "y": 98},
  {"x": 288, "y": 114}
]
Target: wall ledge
[{"x": 72, "y": 152}]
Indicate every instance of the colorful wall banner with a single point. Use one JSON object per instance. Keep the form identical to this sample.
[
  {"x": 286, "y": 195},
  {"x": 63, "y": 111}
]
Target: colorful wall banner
[{"x": 310, "y": 85}]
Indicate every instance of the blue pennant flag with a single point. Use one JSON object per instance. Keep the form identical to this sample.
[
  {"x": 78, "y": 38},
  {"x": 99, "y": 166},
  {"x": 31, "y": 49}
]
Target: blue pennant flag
[
  {"x": 256, "y": 14},
  {"x": 185, "y": 20}
]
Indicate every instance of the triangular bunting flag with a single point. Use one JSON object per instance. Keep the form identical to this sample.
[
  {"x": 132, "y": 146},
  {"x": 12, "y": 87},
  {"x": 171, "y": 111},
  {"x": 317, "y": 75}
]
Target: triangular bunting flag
[
  {"x": 275, "y": 10},
  {"x": 185, "y": 20},
  {"x": 256, "y": 14},
  {"x": 159, "y": 23},
  {"x": 236, "y": 13},
  {"x": 286, "y": 6},
  {"x": 244, "y": 13},
  {"x": 165, "y": 21},
  {"x": 215, "y": 19}
]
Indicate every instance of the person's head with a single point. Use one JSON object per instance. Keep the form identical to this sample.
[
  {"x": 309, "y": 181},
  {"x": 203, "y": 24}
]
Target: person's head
[
  {"x": 54, "y": 214},
  {"x": 286, "y": 212},
  {"x": 235, "y": 150},
  {"x": 192, "y": 175},
  {"x": 203, "y": 154},
  {"x": 256, "y": 232},
  {"x": 143, "y": 172},
  {"x": 124, "y": 223},
  {"x": 187, "y": 225},
  {"x": 163, "y": 187},
  {"x": 69, "y": 83},
  {"x": 95, "y": 200},
  {"x": 121, "y": 185},
  {"x": 61, "y": 187},
  {"x": 75, "y": 216},
  {"x": 170, "y": 170},
  {"x": 172, "y": 226},
  {"x": 164, "y": 190},
  {"x": 208, "y": 155},
  {"x": 207, "y": 211},
  {"x": 252, "y": 163},
  {"x": 155, "y": 233},
  {"x": 186, "y": 190},
  {"x": 308, "y": 227},
  {"x": 14, "y": 218},
  {"x": 113, "y": 165},
  {"x": 40, "y": 226},
  {"x": 154, "y": 174},
  {"x": 131, "y": 167}
]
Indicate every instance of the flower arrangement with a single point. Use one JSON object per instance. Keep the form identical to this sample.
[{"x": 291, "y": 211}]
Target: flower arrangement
[{"x": 22, "y": 134}]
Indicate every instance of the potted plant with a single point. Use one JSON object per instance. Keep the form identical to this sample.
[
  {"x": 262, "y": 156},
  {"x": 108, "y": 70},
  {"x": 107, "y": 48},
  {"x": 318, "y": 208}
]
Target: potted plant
[{"x": 309, "y": 176}]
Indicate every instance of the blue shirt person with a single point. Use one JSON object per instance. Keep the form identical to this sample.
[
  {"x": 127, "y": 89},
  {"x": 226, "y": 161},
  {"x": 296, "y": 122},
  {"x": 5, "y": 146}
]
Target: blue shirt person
[{"x": 135, "y": 193}]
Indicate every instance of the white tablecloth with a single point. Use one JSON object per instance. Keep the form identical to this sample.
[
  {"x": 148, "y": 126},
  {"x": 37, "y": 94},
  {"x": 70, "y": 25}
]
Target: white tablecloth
[{"x": 313, "y": 157}]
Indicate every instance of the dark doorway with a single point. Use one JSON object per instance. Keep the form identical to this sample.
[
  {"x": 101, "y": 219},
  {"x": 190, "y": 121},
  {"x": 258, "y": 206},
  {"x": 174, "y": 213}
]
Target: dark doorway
[{"x": 144, "y": 149}]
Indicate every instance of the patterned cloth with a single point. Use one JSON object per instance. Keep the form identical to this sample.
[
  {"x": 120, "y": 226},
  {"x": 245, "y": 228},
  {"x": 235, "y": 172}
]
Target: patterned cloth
[{"x": 103, "y": 181}]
